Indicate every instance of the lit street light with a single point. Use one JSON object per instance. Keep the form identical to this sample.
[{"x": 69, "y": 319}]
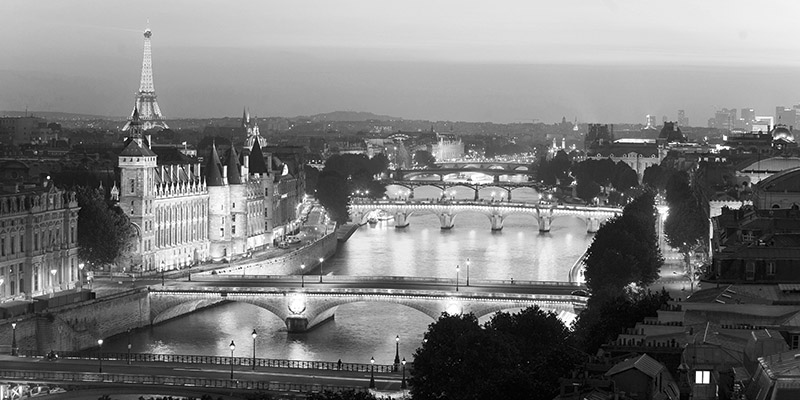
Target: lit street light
[
  {"x": 320, "y": 269},
  {"x": 53, "y": 280},
  {"x": 403, "y": 382},
  {"x": 129, "y": 346},
  {"x": 233, "y": 347},
  {"x": 80, "y": 274},
  {"x": 396, "y": 352},
  {"x": 372, "y": 373},
  {"x": 302, "y": 275},
  {"x": 254, "y": 349},
  {"x": 100, "y": 354},
  {"x": 457, "y": 270},
  {"x": 13, "y": 338}
]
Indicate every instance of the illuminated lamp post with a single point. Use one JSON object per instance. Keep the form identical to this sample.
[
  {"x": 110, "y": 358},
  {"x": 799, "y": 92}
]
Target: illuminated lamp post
[
  {"x": 396, "y": 352},
  {"x": 372, "y": 373},
  {"x": 254, "y": 334},
  {"x": 457, "y": 270},
  {"x": 233, "y": 347},
  {"x": 129, "y": 346},
  {"x": 13, "y": 338},
  {"x": 320, "y": 269},
  {"x": 100, "y": 354},
  {"x": 80, "y": 273},
  {"x": 403, "y": 382},
  {"x": 302, "y": 275}
]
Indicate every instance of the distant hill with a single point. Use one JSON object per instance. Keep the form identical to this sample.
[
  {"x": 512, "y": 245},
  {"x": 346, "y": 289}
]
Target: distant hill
[
  {"x": 339, "y": 116},
  {"x": 57, "y": 116}
]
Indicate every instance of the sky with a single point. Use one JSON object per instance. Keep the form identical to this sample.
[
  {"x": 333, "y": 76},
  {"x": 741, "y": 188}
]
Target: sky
[{"x": 502, "y": 61}]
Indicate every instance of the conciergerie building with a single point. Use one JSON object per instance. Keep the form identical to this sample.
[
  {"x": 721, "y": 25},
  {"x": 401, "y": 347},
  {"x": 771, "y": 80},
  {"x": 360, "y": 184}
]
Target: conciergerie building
[{"x": 185, "y": 213}]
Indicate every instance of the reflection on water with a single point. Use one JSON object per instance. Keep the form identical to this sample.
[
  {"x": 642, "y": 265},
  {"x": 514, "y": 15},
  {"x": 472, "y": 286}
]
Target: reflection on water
[
  {"x": 350, "y": 336},
  {"x": 364, "y": 330}
]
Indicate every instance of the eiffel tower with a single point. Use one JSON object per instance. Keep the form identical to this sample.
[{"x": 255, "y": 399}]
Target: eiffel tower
[{"x": 149, "y": 114}]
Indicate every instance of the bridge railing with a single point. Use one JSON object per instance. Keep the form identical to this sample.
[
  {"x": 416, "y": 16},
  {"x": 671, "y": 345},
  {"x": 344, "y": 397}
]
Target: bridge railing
[
  {"x": 398, "y": 279},
  {"x": 138, "y": 379},
  {"x": 220, "y": 360}
]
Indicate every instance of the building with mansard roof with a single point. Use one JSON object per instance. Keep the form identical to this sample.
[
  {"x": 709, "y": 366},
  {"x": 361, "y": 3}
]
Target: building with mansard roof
[{"x": 186, "y": 213}]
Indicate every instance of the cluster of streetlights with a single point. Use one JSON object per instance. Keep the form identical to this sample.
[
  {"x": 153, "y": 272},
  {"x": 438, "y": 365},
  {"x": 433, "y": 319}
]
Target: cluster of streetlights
[
  {"x": 397, "y": 363},
  {"x": 303, "y": 274}
]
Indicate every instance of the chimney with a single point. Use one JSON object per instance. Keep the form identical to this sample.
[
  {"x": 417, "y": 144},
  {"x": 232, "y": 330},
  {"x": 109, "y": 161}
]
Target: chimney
[{"x": 149, "y": 142}]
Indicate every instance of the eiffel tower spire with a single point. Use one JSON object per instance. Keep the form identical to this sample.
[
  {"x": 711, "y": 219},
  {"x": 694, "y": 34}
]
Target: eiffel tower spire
[{"x": 149, "y": 113}]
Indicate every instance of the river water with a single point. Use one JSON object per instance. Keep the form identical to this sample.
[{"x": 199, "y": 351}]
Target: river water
[{"x": 363, "y": 330}]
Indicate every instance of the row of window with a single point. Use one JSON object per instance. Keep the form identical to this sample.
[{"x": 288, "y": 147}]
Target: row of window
[{"x": 16, "y": 244}]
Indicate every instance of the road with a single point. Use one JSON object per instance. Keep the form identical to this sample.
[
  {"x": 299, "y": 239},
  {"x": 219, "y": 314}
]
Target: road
[{"x": 383, "y": 381}]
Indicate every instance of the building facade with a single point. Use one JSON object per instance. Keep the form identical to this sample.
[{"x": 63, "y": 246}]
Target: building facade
[
  {"x": 185, "y": 213},
  {"x": 38, "y": 242}
]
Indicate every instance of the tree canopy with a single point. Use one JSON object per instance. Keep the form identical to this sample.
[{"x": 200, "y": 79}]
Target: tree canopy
[
  {"x": 346, "y": 174},
  {"x": 625, "y": 250},
  {"x": 510, "y": 357},
  {"x": 104, "y": 232},
  {"x": 423, "y": 158}
]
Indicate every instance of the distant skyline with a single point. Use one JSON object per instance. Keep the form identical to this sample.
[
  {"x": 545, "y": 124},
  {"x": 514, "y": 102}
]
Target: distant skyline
[{"x": 511, "y": 61}]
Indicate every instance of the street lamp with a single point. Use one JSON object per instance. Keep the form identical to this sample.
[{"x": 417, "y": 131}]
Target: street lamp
[
  {"x": 233, "y": 347},
  {"x": 80, "y": 274},
  {"x": 467, "y": 271},
  {"x": 457, "y": 270},
  {"x": 100, "y": 354},
  {"x": 302, "y": 275},
  {"x": 403, "y": 382},
  {"x": 396, "y": 352},
  {"x": 254, "y": 349},
  {"x": 52, "y": 280},
  {"x": 372, "y": 373},
  {"x": 320, "y": 269},
  {"x": 162, "y": 272},
  {"x": 13, "y": 338},
  {"x": 129, "y": 346}
]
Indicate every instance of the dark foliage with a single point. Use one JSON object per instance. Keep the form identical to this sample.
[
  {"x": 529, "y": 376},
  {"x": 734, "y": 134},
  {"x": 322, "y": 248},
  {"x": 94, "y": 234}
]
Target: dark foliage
[{"x": 104, "y": 231}]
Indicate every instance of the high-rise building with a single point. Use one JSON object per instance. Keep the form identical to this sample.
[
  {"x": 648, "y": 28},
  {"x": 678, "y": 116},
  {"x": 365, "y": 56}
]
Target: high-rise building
[
  {"x": 146, "y": 104},
  {"x": 786, "y": 116},
  {"x": 682, "y": 120},
  {"x": 724, "y": 119}
]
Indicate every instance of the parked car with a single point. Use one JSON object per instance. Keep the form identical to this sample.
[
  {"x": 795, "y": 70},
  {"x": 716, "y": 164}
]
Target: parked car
[
  {"x": 293, "y": 239},
  {"x": 283, "y": 245},
  {"x": 580, "y": 292}
]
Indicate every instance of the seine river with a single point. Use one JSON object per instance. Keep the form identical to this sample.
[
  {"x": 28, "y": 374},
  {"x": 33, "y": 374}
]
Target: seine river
[{"x": 363, "y": 330}]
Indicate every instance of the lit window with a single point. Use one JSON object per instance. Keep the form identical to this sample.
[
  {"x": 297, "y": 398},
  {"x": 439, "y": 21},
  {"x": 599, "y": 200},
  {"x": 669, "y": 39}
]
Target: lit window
[
  {"x": 702, "y": 377},
  {"x": 771, "y": 268}
]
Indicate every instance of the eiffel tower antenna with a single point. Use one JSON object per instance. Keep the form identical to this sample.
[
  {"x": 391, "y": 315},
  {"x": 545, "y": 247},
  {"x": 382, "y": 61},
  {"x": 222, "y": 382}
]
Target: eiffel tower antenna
[{"x": 149, "y": 113}]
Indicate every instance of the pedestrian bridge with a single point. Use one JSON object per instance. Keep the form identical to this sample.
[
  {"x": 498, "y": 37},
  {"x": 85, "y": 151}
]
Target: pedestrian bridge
[
  {"x": 362, "y": 210},
  {"x": 304, "y": 308}
]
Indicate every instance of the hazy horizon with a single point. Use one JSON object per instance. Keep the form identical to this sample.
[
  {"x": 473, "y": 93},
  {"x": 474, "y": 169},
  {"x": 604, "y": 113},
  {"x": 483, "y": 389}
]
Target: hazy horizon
[{"x": 611, "y": 61}]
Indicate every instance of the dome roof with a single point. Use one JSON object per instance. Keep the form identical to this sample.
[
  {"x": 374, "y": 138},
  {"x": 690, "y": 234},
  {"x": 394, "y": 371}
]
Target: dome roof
[{"x": 782, "y": 132}]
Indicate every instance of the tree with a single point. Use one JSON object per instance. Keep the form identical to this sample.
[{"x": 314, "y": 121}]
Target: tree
[
  {"x": 605, "y": 318},
  {"x": 624, "y": 177},
  {"x": 686, "y": 226},
  {"x": 625, "y": 250},
  {"x": 423, "y": 158},
  {"x": 104, "y": 232},
  {"x": 656, "y": 177},
  {"x": 587, "y": 189},
  {"x": 378, "y": 164},
  {"x": 510, "y": 357},
  {"x": 333, "y": 194}
]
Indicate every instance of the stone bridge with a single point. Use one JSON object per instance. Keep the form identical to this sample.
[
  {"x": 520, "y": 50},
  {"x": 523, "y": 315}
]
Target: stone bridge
[
  {"x": 361, "y": 210},
  {"x": 302, "y": 309},
  {"x": 503, "y": 190}
]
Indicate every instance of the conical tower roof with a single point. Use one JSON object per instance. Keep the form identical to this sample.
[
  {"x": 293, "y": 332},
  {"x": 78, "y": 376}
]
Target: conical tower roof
[
  {"x": 234, "y": 176},
  {"x": 257, "y": 165},
  {"x": 214, "y": 169}
]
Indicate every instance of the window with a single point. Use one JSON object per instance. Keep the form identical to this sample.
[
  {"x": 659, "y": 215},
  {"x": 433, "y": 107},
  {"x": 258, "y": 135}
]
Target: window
[
  {"x": 2, "y": 246},
  {"x": 795, "y": 341},
  {"x": 702, "y": 377},
  {"x": 771, "y": 268},
  {"x": 132, "y": 185},
  {"x": 750, "y": 271}
]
